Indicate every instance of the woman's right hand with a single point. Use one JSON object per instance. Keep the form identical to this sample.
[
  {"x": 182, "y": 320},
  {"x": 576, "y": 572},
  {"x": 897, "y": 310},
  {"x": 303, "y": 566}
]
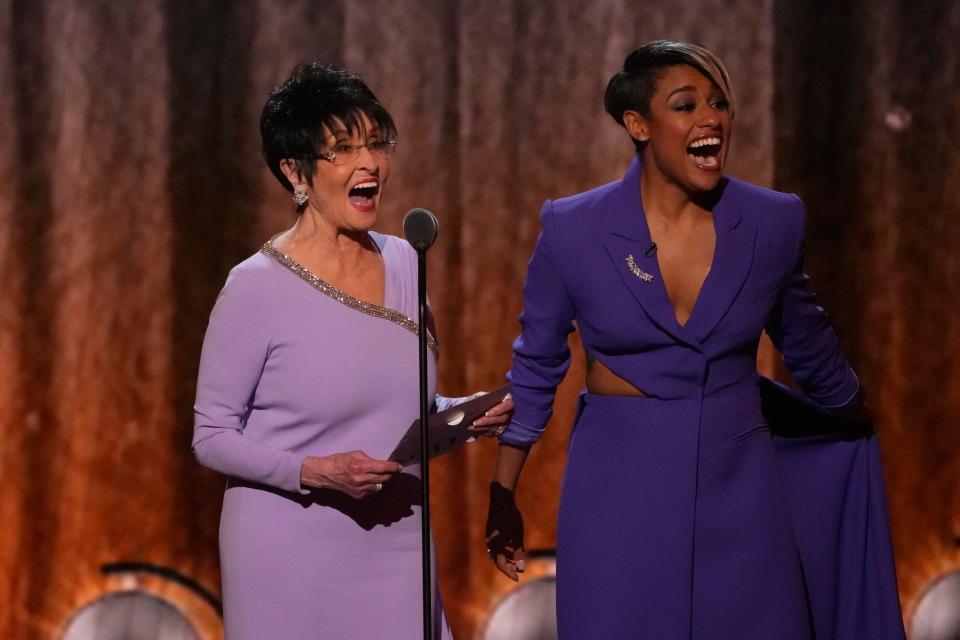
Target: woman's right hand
[
  {"x": 354, "y": 473},
  {"x": 505, "y": 532}
]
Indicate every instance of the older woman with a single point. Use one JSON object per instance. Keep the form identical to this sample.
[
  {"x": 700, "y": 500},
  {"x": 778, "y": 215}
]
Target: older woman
[
  {"x": 674, "y": 517},
  {"x": 307, "y": 382}
]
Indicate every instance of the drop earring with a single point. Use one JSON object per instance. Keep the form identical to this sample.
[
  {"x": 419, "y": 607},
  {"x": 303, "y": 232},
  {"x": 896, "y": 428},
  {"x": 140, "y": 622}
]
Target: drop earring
[{"x": 299, "y": 195}]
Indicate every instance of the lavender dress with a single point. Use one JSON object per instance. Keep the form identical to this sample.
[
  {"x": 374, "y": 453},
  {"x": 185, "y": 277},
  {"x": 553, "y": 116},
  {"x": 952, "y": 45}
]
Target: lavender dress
[{"x": 292, "y": 367}]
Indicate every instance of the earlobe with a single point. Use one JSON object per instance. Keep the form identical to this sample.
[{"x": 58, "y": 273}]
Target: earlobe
[
  {"x": 289, "y": 169},
  {"x": 636, "y": 126}
]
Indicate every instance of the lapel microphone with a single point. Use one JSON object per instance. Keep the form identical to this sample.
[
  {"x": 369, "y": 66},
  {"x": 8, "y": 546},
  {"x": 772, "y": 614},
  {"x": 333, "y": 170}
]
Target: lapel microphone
[{"x": 650, "y": 249}]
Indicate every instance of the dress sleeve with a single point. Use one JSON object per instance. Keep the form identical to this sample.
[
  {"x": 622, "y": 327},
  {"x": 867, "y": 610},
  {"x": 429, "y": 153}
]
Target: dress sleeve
[
  {"x": 442, "y": 403},
  {"x": 235, "y": 350},
  {"x": 801, "y": 330},
  {"x": 541, "y": 356}
]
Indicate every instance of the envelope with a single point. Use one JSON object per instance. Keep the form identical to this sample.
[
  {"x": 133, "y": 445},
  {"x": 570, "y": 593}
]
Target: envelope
[{"x": 446, "y": 430}]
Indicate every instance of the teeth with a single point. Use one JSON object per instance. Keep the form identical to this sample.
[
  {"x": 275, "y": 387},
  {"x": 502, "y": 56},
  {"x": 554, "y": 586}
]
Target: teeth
[
  {"x": 705, "y": 161},
  {"x": 365, "y": 185},
  {"x": 702, "y": 142}
]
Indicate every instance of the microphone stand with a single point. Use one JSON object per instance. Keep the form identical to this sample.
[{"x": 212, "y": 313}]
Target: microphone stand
[
  {"x": 420, "y": 227},
  {"x": 424, "y": 453}
]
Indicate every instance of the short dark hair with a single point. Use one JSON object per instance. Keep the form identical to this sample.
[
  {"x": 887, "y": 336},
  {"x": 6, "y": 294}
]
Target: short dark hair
[
  {"x": 315, "y": 98},
  {"x": 633, "y": 87}
]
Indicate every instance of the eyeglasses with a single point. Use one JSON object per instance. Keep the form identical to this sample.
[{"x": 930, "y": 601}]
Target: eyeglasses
[{"x": 345, "y": 153}]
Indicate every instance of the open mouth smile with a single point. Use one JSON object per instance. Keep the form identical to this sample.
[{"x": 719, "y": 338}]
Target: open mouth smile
[
  {"x": 705, "y": 152},
  {"x": 362, "y": 195}
]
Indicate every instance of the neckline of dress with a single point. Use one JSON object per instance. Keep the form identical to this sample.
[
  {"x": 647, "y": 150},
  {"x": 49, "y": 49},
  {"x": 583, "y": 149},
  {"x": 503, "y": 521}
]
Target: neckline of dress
[
  {"x": 645, "y": 231},
  {"x": 321, "y": 285}
]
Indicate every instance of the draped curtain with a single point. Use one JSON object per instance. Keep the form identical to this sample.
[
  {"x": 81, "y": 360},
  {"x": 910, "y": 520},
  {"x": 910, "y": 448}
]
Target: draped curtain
[{"x": 130, "y": 182}]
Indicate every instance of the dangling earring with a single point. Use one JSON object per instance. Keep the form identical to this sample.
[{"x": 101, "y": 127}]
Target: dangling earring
[{"x": 299, "y": 195}]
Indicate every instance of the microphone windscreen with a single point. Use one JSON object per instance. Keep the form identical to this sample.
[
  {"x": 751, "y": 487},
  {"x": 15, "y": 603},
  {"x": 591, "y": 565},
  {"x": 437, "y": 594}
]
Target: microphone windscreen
[{"x": 420, "y": 228}]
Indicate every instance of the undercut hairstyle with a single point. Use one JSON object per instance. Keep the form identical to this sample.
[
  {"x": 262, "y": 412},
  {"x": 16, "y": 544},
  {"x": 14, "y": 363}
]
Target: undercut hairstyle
[
  {"x": 314, "y": 101},
  {"x": 632, "y": 88}
]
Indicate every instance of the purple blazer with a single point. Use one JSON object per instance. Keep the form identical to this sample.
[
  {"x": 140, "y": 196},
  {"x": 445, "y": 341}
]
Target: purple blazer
[
  {"x": 696, "y": 459},
  {"x": 580, "y": 271}
]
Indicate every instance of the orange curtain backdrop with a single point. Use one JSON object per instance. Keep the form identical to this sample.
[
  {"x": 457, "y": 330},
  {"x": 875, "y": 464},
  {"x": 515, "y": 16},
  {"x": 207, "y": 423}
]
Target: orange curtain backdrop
[
  {"x": 868, "y": 115},
  {"x": 130, "y": 182}
]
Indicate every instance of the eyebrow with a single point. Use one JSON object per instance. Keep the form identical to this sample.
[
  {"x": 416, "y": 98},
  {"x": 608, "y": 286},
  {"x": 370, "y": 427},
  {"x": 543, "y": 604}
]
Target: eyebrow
[{"x": 688, "y": 87}]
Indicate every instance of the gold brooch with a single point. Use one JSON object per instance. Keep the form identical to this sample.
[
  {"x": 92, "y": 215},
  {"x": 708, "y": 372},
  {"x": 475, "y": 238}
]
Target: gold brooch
[{"x": 637, "y": 271}]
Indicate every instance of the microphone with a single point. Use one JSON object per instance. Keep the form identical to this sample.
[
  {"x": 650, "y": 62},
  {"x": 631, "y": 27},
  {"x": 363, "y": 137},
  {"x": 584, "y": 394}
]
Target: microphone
[
  {"x": 420, "y": 227},
  {"x": 650, "y": 249}
]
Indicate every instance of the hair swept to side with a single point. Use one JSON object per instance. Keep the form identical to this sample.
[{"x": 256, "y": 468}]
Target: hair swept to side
[
  {"x": 632, "y": 87},
  {"x": 316, "y": 99}
]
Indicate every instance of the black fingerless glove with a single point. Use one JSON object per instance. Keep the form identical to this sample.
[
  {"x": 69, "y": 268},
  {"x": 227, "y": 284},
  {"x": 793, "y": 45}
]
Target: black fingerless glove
[
  {"x": 504, "y": 522},
  {"x": 855, "y": 416}
]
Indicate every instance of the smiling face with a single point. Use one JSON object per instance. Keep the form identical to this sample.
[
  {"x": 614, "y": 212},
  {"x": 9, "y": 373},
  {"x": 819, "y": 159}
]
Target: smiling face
[
  {"x": 687, "y": 132},
  {"x": 346, "y": 191}
]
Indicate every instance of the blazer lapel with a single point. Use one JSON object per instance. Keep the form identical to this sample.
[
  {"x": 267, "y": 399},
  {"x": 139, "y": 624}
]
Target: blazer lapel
[
  {"x": 628, "y": 243},
  {"x": 733, "y": 256}
]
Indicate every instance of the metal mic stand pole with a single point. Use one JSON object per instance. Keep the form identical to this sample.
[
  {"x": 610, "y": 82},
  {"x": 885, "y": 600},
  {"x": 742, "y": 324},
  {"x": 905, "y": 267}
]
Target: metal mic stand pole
[{"x": 424, "y": 453}]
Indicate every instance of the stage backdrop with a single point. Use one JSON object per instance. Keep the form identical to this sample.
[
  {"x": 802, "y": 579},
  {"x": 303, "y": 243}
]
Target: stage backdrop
[{"x": 130, "y": 182}]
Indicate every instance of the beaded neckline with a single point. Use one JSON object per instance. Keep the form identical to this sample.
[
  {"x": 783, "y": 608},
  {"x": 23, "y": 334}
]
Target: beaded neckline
[{"x": 343, "y": 298}]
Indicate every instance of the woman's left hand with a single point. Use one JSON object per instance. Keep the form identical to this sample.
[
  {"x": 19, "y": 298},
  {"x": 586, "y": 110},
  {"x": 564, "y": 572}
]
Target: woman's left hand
[{"x": 494, "y": 421}]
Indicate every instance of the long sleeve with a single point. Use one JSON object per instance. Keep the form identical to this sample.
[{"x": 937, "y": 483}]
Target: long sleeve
[
  {"x": 541, "y": 356},
  {"x": 801, "y": 330},
  {"x": 442, "y": 403},
  {"x": 235, "y": 350}
]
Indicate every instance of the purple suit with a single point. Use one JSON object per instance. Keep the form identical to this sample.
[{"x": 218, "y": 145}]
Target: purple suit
[{"x": 675, "y": 516}]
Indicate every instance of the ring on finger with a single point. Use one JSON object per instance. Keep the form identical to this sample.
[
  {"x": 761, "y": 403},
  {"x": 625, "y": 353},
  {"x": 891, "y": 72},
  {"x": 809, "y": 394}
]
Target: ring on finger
[{"x": 499, "y": 430}]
